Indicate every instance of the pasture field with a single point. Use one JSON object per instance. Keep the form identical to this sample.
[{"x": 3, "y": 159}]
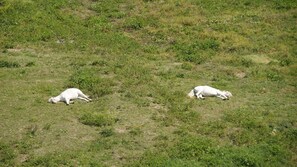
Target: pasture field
[{"x": 138, "y": 60}]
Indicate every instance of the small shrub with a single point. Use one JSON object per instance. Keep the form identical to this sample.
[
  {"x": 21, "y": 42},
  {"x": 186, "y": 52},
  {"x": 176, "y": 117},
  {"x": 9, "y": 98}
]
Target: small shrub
[
  {"x": 135, "y": 131},
  {"x": 196, "y": 52},
  {"x": 30, "y": 64},
  {"x": 180, "y": 75},
  {"x": 274, "y": 76},
  {"x": 87, "y": 79},
  {"x": 107, "y": 132},
  {"x": 84, "y": 79},
  {"x": 210, "y": 44},
  {"x": 134, "y": 23},
  {"x": 284, "y": 5},
  {"x": 187, "y": 66},
  {"x": 138, "y": 22},
  {"x": 7, "y": 64},
  {"x": 8, "y": 46},
  {"x": 285, "y": 62},
  {"x": 101, "y": 89},
  {"x": 194, "y": 58},
  {"x": 97, "y": 119},
  {"x": 99, "y": 63},
  {"x": 246, "y": 63}
]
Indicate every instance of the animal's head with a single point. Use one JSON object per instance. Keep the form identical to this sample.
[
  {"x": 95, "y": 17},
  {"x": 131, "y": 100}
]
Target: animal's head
[
  {"x": 191, "y": 94},
  {"x": 227, "y": 93},
  {"x": 52, "y": 100}
]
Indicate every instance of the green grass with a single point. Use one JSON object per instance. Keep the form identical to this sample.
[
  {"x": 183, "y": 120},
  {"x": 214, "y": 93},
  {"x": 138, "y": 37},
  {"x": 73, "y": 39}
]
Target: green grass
[{"x": 138, "y": 60}]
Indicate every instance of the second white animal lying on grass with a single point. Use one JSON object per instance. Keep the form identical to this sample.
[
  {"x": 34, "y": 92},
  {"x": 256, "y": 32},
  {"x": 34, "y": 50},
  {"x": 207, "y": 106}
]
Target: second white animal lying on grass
[
  {"x": 206, "y": 91},
  {"x": 68, "y": 95}
]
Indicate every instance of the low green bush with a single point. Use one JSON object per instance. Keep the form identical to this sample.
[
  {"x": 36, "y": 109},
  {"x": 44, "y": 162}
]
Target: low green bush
[
  {"x": 274, "y": 75},
  {"x": 30, "y": 64},
  {"x": 134, "y": 23},
  {"x": 8, "y": 64},
  {"x": 97, "y": 119},
  {"x": 107, "y": 132},
  {"x": 88, "y": 79},
  {"x": 197, "y": 52}
]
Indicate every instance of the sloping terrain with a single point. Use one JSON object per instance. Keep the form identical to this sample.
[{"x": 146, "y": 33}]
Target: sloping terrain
[{"x": 138, "y": 60}]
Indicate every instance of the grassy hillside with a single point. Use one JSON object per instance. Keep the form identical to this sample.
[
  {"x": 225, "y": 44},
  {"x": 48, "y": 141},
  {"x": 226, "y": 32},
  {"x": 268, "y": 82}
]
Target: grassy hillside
[{"x": 138, "y": 60}]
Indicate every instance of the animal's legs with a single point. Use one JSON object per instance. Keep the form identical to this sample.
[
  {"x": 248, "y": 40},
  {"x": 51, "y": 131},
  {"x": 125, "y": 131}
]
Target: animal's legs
[
  {"x": 222, "y": 96},
  {"x": 198, "y": 94},
  {"x": 67, "y": 101},
  {"x": 82, "y": 98}
]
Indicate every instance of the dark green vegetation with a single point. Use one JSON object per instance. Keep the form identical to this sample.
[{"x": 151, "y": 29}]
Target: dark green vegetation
[{"x": 138, "y": 60}]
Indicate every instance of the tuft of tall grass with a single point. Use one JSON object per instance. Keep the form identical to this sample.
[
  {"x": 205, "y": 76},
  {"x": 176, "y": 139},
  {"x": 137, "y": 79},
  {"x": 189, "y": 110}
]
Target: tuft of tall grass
[
  {"x": 97, "y": 119},
  {"x": 7, "y": 154},
  {"x": 197, "y": 51},
  {"x": 8, "y": 64},
  {"x": 107, "y": 132},
  {"x": 88, "y": 79}
]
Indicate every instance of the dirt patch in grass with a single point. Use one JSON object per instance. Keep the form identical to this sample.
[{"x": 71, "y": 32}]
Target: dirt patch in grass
[{"x": 240, "y": 74}]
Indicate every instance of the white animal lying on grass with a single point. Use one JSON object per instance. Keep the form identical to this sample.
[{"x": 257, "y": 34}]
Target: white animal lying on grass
[
  {"x": 68, "y": 95},
  {"x": 206, "y": 91}
]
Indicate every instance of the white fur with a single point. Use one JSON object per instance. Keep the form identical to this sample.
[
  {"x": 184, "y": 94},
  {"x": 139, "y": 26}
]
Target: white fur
[
  {"x": 68, "y": 95},
  {"x": 206, "y": 91}
]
